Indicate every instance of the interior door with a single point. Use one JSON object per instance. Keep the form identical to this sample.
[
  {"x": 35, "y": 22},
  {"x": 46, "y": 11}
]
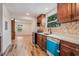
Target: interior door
[{"x": 13, "y": 29}]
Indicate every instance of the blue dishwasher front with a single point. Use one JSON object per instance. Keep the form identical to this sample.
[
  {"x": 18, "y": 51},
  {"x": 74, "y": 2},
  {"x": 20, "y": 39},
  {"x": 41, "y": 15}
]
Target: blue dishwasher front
[{"x": 53, "y": 47}]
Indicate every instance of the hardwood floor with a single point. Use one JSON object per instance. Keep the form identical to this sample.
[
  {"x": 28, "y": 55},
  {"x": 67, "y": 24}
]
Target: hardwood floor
[{"x": 23, "y": 46}]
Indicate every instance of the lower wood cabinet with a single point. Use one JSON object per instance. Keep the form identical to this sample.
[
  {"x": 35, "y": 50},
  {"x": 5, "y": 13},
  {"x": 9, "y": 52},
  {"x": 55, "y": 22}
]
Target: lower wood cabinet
[
  {"x": 65, "y": 51},
  {"x": 65, "y": 48},
  {"x": 69, "y": 49},
  {"x": 76, "y": 52},
  {"x": 44, "y": 42},
  {"x": 41, "y": 41},
  {"x": 38, "y": 39}
]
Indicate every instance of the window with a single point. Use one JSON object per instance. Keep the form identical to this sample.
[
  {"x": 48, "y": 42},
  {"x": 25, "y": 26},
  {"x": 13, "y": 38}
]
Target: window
[
  {"x": 19, "y": 28},
  {"x": 52, "y": 21}
]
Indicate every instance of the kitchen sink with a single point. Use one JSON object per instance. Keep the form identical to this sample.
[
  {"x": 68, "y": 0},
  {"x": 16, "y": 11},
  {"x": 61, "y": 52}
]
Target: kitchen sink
[{"x": 44, "y": 33}]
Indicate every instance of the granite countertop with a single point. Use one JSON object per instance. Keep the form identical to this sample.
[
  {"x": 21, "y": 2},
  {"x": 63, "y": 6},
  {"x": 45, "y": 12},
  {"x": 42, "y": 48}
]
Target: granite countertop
[{"x": 64, "y": 37}]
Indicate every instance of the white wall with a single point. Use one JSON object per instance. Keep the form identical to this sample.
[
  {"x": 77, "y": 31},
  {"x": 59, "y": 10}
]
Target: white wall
[
  {"x": 0, "y": 18},
  {"x": 27, "y": 27},
  {"x": 34, "y": 25},
  {"x": 6, "y": 34}
]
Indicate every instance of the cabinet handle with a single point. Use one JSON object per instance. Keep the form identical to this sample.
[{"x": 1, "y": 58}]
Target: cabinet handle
[{"x": 58, "y": 51}]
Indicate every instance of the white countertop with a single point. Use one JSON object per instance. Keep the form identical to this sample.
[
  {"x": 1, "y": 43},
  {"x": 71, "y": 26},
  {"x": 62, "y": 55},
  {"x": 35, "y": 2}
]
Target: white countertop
[{"x": 65, "y": 37}]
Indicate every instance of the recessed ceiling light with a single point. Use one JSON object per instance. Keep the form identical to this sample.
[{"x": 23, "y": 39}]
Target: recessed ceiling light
[
  {"x": 27, "y": 13},
  {"x": 46, "y": 9}
]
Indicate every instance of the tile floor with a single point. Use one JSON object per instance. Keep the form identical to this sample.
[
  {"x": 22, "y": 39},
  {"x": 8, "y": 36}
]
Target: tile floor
[{"x": 23, "y": 46}]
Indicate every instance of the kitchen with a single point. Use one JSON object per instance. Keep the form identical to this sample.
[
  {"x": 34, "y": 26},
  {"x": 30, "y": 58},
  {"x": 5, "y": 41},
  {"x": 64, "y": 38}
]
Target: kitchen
[
  {"x": 53, "y": 27},
  {"x": 62, "y": 37}
]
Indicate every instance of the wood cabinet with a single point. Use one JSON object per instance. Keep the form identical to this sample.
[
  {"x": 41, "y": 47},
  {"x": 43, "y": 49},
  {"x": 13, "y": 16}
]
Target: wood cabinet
[
  {"x": 65, "y": 51},
  {"x": 64, "y": 12},
  {"x": 38, "y": 39},
  {"x": 67, "y": 12},
  {"x": 69, "y": 49},
  {"x": 77, "y": 11},
  {"x": 41, "y": 41},
  {"x": 40, "y": 19},
  {"x": 44, "y": 43}
]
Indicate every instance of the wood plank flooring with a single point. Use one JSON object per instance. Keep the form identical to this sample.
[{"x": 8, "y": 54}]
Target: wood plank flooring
[{"x": 23, "y": 46}]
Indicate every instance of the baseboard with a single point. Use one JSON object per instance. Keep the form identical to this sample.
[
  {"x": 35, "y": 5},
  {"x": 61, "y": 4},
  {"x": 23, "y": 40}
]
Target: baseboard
[
  {"x": 9, "y": 48},
  {"x": 23, "y": 34}
]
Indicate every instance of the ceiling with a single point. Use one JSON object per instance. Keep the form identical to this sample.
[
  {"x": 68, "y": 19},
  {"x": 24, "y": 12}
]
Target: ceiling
[
  {"x": 19, "y": 10},
  {"x": 0, "y": 10}
]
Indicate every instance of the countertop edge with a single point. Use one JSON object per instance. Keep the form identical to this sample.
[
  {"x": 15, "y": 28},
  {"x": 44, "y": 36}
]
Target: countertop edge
[{"x": 64, "y": 38}]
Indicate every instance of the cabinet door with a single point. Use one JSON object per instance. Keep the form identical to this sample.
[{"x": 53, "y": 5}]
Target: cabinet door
[
  {"x": 38, "y": 39},
  {"x": 76, "y": 52},
  {"x": 40, "y": 19},
  {"x": 44, "y": 43},
  {"x": 73, "y": 11},
  {"x": 65, "y": 50},
  {"x": 77, "y": 11},
  {"x": 40, "y": 42},
  {"x": 64, "y": 12},
  {"x": 59, "y": 13}
]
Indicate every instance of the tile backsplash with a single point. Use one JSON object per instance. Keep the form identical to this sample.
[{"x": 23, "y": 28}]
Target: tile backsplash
[{"x": 68, "y": 28}]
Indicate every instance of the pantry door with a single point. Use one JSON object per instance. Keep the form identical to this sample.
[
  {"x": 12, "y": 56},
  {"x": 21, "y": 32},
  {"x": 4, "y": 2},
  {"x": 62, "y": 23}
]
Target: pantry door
[{"x": 13, "y": 29}]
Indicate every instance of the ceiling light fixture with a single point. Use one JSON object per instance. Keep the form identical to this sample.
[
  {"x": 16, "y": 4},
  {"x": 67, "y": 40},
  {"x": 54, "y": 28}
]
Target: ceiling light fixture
[
  {"x": 46, "y": 9},
  {"x": 28, "y": 14}
]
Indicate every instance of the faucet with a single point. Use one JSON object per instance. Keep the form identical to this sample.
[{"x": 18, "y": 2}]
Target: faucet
[{"x": 49, "y": 30}]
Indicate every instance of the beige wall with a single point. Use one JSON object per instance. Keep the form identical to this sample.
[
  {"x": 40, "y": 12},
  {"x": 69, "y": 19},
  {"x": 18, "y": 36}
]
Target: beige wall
[
  {"x": 0, "y": 18},
  {"x": 67, "y": 28}
]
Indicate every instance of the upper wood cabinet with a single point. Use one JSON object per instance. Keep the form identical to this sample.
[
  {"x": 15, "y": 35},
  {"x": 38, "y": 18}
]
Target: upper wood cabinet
[
  {"x": 64, "y": 12},
  {"x": 77, "y": 11},
  {"x": 67, "y": 12},
  {"x": 40, "y": 19}
]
